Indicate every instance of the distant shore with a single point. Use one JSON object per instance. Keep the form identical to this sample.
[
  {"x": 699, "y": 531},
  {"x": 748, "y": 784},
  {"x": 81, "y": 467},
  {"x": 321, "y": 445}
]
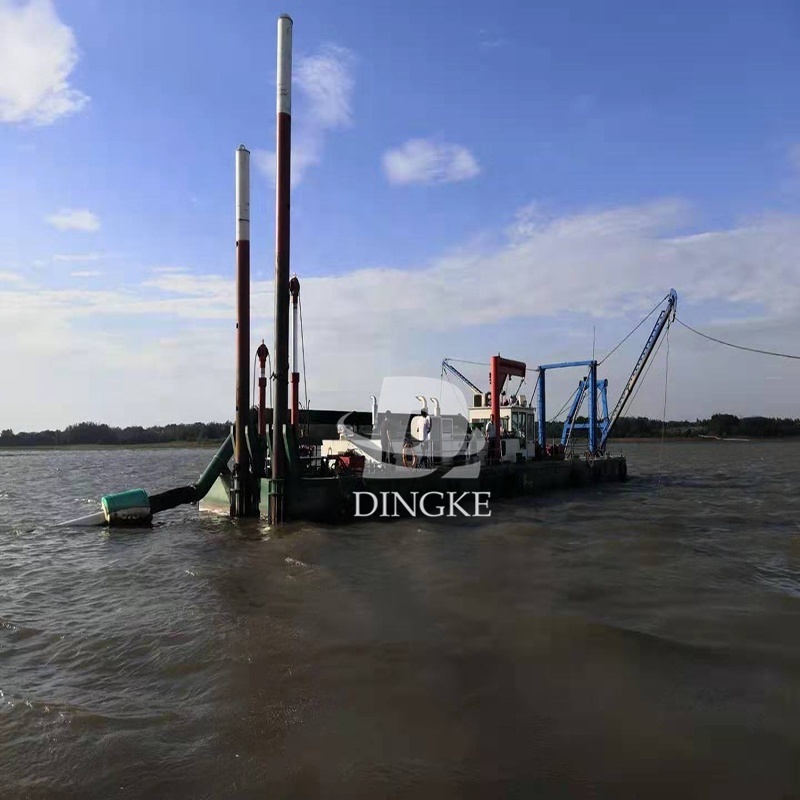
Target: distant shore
[
  {"x": 210, "y": 434},
  {"x": 699, "y": 440},
  {"x": 213, "y": 444},
  {"x": 154, "y": 446}
]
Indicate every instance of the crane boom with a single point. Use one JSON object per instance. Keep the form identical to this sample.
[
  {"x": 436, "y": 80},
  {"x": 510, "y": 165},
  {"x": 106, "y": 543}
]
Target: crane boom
[
  {"x": 655, "y": 335},
  {"x": 446, "y": 365}
]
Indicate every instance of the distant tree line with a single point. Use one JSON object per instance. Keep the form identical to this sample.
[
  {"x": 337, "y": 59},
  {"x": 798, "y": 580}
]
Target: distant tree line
[
  {"x": 722, "y": 425},
  {"x": 94, "y": 433}
]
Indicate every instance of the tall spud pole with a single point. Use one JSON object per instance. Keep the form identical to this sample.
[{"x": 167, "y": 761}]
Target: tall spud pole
[
  {"x": 241, "y": 497},
  {"x": 282, "y": 191}
]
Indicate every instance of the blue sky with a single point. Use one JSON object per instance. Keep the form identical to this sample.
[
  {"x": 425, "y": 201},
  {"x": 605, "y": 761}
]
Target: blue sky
[{"x": 505, "y": 181}]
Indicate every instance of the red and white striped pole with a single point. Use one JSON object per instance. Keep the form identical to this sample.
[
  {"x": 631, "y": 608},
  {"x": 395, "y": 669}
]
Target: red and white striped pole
[
  {"x": 282, "y": 194},
  {"x": 242, "y": 494}
]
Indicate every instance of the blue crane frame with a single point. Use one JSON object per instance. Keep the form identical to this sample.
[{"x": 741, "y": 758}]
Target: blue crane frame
[{"x": 590, "y": 385}]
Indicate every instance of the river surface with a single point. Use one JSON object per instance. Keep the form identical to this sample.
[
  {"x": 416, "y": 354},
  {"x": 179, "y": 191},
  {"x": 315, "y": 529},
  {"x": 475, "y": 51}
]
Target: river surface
[{"x": 638, "y": 640}]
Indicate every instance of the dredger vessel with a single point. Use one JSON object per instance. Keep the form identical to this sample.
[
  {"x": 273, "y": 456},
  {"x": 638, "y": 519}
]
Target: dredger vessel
[{"x": 337, "y": 465}]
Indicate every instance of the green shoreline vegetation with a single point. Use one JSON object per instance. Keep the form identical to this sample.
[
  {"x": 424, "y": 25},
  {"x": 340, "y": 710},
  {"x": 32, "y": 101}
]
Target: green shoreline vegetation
[{"x": 91, "y": 434}]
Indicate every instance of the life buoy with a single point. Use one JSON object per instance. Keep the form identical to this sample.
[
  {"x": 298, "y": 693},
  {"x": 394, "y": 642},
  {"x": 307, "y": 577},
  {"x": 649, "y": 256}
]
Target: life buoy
[{"x": 409, "y": 456}]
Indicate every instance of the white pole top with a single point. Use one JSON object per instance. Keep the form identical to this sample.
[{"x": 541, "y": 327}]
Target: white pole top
[
  {"x": 242, "y": 194},
  {"x": 284, "y": 64}
]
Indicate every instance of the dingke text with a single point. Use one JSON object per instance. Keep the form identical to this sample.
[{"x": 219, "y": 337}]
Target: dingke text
[{"x": 426, "y": 504}]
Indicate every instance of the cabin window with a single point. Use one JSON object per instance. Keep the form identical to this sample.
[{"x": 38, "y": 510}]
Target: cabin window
[
  {"x": 447, "y": 427},
  {"x": 518, "y": 422}
]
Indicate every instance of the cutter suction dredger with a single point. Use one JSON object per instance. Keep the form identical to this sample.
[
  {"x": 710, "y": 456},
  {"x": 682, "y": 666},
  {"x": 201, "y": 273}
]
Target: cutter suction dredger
[
  {"x": 498, "y": 448},
  {"x": 495, "y": 450},
  {"x": 283, "y": 461}
]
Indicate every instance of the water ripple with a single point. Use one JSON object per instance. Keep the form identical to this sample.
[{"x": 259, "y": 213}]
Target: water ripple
[{"x": 621, "y": 642}]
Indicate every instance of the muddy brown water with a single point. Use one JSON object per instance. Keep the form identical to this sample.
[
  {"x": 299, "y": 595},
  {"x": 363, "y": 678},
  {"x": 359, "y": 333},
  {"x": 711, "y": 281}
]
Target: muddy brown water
[{"x": 636, "y": 640}]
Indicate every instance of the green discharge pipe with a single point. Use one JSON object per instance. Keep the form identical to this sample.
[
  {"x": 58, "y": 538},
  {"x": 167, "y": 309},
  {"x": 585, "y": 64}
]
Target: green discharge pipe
[
  {"x": 135, "y": 506},
  {"x": 291, "y": 449},
  {"x": 215, "y": 467}
]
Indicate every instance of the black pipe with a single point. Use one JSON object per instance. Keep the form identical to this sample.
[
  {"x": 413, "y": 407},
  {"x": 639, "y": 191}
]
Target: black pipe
[{"x": 194, "y": 493}]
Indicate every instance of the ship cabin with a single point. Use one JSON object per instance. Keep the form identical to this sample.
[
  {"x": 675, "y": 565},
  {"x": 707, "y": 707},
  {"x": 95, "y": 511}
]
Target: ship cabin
[
  {"x": 517, "y": 425},
  {"x": 453, "y": 438}
]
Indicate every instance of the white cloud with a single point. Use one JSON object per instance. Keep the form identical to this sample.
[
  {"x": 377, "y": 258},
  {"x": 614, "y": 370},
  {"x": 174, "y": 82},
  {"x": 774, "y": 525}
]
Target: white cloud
[
  {"x": 38, "y": 53},
  {"x": 327, "y": 80},
  {"x": 86, "y": 273},
  {"x": 74, "y": 219},
  {"x": 323, "y": 85},
  {"x": 10, "y": 277},
  {"x": 77, "y": 258},
  {"x": 427, "y": 161},
  {"x": 534, "y": 294},
  {"x": 491, "y": 38},
  {"x": 304, "y": 155},
  {"x": 168, "y": 270}
]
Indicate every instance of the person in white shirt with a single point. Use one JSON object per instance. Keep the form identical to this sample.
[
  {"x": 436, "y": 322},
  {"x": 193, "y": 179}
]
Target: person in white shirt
[
  {"x": 386, "y": 443},
  {"x": 426, "y": 437},
  {"x": 489, "y": 432},
  {"x": 471, "y": 444}
]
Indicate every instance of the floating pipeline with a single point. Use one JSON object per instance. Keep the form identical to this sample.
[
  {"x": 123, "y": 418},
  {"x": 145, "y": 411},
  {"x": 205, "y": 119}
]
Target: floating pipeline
[{"x": 136, "y": 507}]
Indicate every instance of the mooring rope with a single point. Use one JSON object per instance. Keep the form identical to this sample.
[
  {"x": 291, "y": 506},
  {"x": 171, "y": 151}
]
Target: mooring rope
[
  {"x": 738, "y": 346},
  {"x": 253, "y": 400},
  {"x": 460, "y": 399},
  {"x": 645, "y": 373},
  {"x": 272, "y": 377},
  {"x": 642, "y": 322},
  {"x": 569, "y": 400},
  {"x": 464, "y": 361},
  {"x": 664, "y": 415},
  {"x": 535, "y": 386},
  {"x": 305, "y": 379}
]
